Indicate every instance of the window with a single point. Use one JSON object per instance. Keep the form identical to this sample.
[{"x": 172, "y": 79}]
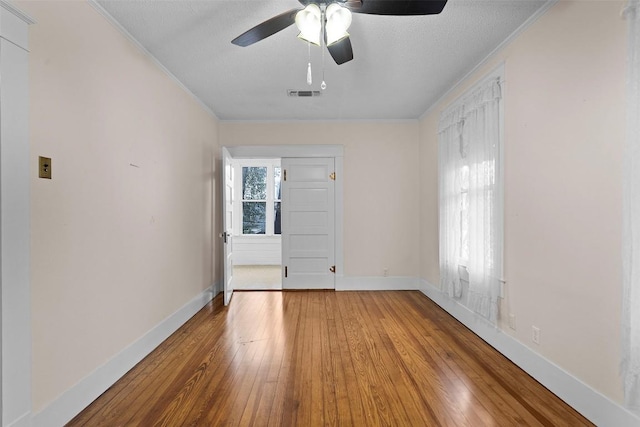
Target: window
[
  {"x": 484, "y": 185},
  {"x": 470, "y": 196},
  {"x": 464, "y": 215},
  {"x": 254, "y": 200},
  {"x": 261, "y": 199}
]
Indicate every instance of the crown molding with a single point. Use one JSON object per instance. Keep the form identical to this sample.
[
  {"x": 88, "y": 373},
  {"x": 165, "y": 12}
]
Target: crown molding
[{"x": 20, "y": 14}]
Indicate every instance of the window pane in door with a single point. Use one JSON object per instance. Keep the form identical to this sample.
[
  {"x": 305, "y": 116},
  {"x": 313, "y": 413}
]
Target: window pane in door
[
  {"x": 254, "y": 217},
  {"x": 277, "y": 224},
  {"x": 254, "y": 183},
  {"x": 276, "y": 175}
]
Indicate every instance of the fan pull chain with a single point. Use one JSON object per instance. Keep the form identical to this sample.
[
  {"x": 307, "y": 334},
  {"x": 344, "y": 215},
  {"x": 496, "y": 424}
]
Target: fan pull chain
[
  {"x": 323, "y": 47},
  {"x": 309, "y": 77},
  {"x": 323, "y": 85}
]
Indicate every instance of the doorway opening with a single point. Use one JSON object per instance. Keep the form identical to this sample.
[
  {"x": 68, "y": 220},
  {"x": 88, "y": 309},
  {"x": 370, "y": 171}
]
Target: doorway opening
[
  {"x": 257, "y": 260},
  {"x": 305, "y": 222}
]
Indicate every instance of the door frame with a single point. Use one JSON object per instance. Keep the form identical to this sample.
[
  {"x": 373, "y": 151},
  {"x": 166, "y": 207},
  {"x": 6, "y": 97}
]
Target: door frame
[
  {"x": 227, "y": 239},
  {"x": 15, "y": 251},
  {"x": 310, "y": 151}
]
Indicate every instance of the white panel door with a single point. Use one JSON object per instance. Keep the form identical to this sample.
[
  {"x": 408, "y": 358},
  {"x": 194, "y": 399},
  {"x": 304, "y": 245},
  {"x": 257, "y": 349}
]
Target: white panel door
[
  {"x": 308, "y": 223},
  {"x": 227, "y": 224}
]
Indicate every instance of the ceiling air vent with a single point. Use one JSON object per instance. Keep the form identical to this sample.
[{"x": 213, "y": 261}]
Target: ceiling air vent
[{"x": 303, "y": 93}]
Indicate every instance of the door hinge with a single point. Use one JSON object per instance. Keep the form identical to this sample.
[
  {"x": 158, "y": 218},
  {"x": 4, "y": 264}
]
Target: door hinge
[
  {"x": 332, "y": 269},
  {"x": 286, "y": 271},
  {"x": 285, "y": 174},
  {"x": 333, "y": 176}
]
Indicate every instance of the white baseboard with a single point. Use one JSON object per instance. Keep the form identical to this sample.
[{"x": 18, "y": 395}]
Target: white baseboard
[
  {"x": 593, "y": 405},
  {"x": 217, "y": 289},
  {"x": 258, "y": 287},
  {"x": 23, "y": 421},
  {"x": 376, "y": 283},
  {"x": 78, "y": 397}
]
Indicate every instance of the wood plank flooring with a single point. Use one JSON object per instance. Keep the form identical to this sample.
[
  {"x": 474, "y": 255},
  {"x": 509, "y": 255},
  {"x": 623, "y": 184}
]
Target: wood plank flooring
[{"x": 326, "y": 358}]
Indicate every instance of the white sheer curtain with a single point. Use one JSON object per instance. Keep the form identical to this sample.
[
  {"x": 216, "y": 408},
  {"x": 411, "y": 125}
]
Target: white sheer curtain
[
  {"x": 471, "y": 224},
  {"x": 481, "y": 138},
  {"x": 631, "y": 218},
  {"x": 450, "y": 187}
]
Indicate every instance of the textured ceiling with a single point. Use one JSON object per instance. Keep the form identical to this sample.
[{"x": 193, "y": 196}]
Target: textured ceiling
[{"x": 401, "y": 65}]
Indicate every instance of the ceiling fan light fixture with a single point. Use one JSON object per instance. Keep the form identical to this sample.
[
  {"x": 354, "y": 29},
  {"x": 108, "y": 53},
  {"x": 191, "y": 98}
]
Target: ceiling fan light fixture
[
  {"x": 309, "y": 23},
  {"x": 338, "y": 22}
]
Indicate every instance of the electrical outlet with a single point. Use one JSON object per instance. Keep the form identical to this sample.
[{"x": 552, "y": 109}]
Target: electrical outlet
[
  {"x": 535, "y": 334},
  {"x": 512, "y": 321},
  {"x": 385, "y": 272}
]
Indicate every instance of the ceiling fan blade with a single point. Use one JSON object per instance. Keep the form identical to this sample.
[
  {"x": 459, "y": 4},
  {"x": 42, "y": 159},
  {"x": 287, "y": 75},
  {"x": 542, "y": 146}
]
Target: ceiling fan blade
[
  {"x": 266, "y": 29},
  {"x": 341, "y": 51},
  {"x": 396, "y": 7}
]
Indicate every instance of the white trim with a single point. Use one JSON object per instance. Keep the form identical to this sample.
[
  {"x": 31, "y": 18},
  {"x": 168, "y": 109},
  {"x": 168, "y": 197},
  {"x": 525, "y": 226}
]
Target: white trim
[
  {"x": 216, "y": 288},
  {"x": 257, "y": 287},
  {"x": 15, "y": 271},
  {"x": 280, "y": 151},
  {"x": 399, "y": 283},
  {"x": 596, "y": 407},
  {"x": 148, "y": 54},
  {"x": 526, "y": 24},
  {"x": 23, "y": 421},
  {"x": 257, "y": 162},
  {"x": 339, "y": 218},
  {"x": 75, "y": 399},
  {"x": 17, "y": 12},
  {"x": 312, "y": 121}
]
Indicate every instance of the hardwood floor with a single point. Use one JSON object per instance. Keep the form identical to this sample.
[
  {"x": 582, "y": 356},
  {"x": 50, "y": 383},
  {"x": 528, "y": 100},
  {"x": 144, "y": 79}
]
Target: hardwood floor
[{"x": 326, "y": 358}]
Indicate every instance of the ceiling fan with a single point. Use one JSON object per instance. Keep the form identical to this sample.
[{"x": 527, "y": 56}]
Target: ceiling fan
[{"x": 328, "y": 21}]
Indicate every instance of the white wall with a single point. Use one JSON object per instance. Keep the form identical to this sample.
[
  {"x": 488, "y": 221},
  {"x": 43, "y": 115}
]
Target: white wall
[
  {"x": 257, "y": 250},
  {"x": 121, "y": 237},
  {"x": 380, "y": 186},
  {"x": 564, "y": 124}
]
